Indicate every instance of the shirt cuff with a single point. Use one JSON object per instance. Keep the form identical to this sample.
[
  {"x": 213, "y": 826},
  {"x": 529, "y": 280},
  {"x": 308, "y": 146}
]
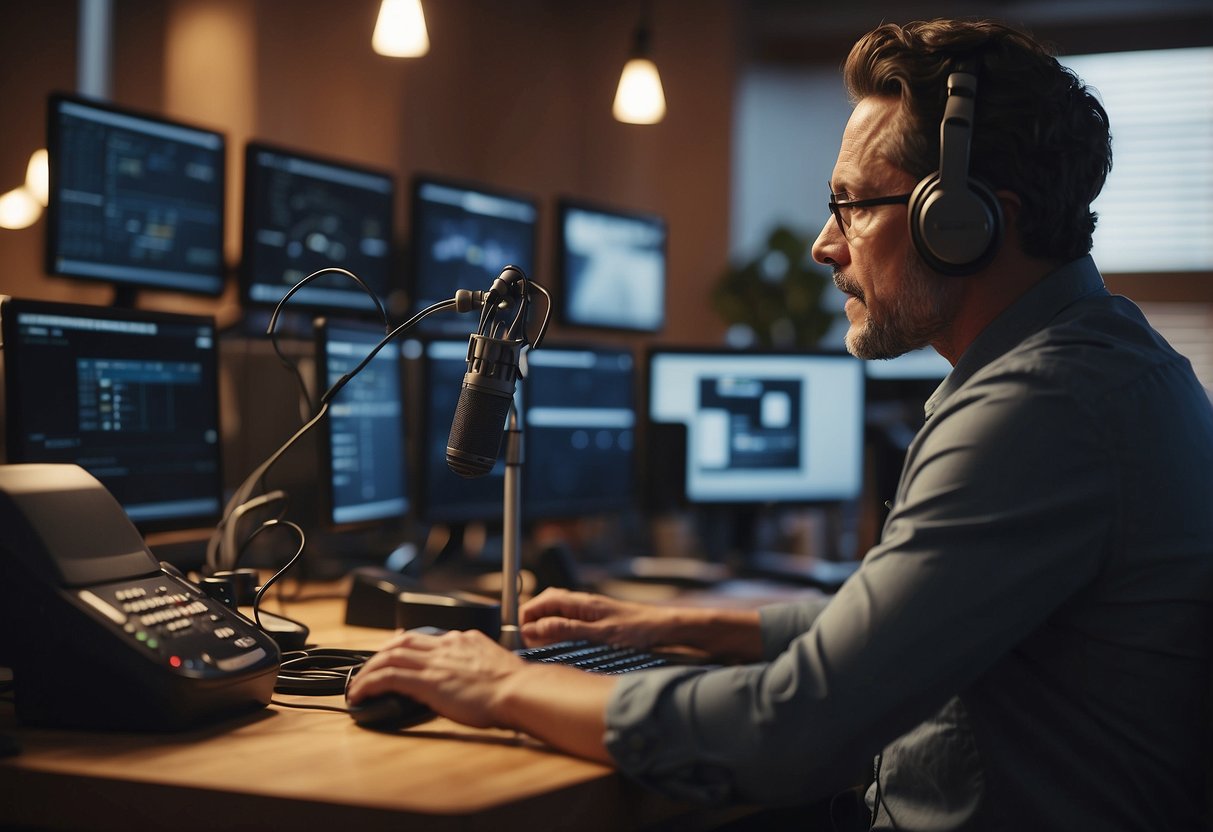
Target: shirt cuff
[{"x": 648, "y": 752}]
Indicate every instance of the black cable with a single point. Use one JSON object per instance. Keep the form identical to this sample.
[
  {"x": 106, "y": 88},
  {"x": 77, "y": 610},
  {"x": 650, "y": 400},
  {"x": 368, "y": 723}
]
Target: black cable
[
  {"x": 271, "y": 329},
  {"x": 274, "y": 578},
  {"x": 293, "y": 366},
  {"x": 225, "y": 556},
  {"x": 222, "y": 549},
  {"x": 319, "y": 671},
  {"x": 341, "y": 382},
  {"x": 307, "y": 707}
]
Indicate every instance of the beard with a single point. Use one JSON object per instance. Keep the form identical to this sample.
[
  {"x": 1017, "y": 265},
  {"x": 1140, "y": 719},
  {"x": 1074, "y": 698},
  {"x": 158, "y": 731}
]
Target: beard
[{"x": 922, "y": 308}]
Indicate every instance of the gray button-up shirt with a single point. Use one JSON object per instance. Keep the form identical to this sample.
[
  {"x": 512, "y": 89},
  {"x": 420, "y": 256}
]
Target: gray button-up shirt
[{"x": 1031, "y": 637}]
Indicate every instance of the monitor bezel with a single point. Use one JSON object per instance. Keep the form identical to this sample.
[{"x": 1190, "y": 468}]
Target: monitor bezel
[
  {"x": 10, "y": 307},
  {"x": 437, "y": 328},
  {"x": 807, "y": 501},
  {"x": 564, "y": 205},
  {"x": 322, "y": 327},
  {"x": 53, "y": 136},
  {"x": 246, "y": 274}
]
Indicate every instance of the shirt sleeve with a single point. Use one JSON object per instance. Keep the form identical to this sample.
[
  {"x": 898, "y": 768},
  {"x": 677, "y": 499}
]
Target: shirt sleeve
[
  {"x": 783, "y": 622},
  {"x": 1002, "y": 513}
]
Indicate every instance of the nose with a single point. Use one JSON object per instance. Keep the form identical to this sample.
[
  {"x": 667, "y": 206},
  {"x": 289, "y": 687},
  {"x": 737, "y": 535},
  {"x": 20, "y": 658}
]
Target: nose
[{"x": 830, "y": 247}]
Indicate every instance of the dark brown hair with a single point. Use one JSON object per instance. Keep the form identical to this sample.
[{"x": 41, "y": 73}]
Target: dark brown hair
[{"x": 1038, "y": 132}]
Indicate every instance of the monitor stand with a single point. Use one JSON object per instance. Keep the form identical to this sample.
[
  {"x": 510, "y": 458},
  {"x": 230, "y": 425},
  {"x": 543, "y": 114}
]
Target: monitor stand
[
  {"x": 455, "y": 555},
  {"x": 817, "y": 562},
  {"x": 125, "y": 297}
]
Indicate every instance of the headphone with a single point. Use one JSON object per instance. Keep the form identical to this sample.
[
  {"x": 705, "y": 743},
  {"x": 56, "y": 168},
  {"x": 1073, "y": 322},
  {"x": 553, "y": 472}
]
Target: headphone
[{"x": 955, "y": 220}]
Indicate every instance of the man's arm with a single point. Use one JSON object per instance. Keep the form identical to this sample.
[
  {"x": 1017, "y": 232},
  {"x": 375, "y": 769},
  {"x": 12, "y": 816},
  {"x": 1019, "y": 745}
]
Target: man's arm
[{"x": 1000, "y": 519}]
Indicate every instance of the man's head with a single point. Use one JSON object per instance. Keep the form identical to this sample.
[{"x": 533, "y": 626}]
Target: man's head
[{"x": 1040, "y": 142}]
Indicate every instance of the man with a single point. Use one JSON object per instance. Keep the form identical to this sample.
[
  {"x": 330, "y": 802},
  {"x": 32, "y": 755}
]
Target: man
[{"x": 1028, "y": 647}]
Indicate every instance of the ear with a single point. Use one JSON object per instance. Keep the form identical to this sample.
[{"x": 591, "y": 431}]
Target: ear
[{"x": 1012, "y": 206}]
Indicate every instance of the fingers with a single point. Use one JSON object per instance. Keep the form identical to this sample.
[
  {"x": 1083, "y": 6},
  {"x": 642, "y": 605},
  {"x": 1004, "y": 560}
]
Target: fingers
[
  {"x": 394, "y": 666},
  {"x": 552, "y": 629},
  {"x": 561, "y": 603},
  {"x": 417, "y": 664}
]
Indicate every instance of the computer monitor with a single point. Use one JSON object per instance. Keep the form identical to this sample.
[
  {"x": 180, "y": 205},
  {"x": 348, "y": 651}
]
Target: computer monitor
[
  {"x": 132, "y": 396},
  {"x": 611, "y": 266},
  {"x": 580, "y": 433},
  {"x": 763, "y": 427},
  {"x": 135, "y": 200},
  {"x": 463, "y": 235},
  {"x": 363, "y": 467},
  {"x": 303, "y": 213},
  {"x": 444, "y": 496}
]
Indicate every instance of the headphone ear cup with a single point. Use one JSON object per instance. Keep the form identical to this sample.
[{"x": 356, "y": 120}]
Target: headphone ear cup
[{"x": 955, "y": 232}]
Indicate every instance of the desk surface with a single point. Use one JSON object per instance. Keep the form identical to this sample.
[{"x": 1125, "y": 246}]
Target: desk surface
[{"x": 288, "y": 768}]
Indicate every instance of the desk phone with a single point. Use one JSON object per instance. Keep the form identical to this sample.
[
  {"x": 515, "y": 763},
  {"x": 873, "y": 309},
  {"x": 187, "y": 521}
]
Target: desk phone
[{"x": 97, "y": 634}]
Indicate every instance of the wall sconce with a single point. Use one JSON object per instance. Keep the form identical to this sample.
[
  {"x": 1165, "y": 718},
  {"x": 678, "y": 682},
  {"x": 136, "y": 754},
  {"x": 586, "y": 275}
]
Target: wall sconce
[
  {"x": 400, "y": 30},
  {"x": 640, "y": 98},
  {"x": 22, "y": 206}
]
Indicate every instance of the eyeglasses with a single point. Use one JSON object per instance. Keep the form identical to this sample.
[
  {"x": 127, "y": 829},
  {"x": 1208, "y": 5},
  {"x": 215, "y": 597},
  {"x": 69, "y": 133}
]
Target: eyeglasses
[{"x": 841, "y": 208}]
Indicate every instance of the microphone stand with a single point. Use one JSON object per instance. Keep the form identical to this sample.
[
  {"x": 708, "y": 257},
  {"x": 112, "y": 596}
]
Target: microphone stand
[{"x": 511, "y": 544}]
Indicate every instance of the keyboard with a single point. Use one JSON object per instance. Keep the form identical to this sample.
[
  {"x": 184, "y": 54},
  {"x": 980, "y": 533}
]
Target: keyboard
[{"x": 593, "y": 657}]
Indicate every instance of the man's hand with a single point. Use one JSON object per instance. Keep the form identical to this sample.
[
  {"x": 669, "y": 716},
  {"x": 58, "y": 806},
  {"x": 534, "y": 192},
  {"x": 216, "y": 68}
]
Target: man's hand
[
  {"x": 467, "y": 677},
  {"x": 560, "y": 615},
  {"x": 724, "y": 635},
  {"x": 458, "y": 674}
]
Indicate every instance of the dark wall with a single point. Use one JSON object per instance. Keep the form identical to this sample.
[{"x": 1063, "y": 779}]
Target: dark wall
[{"x": 514, "y": 94}]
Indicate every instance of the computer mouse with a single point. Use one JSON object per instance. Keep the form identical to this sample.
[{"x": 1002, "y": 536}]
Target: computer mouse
[{"x": 389, "y": 712}]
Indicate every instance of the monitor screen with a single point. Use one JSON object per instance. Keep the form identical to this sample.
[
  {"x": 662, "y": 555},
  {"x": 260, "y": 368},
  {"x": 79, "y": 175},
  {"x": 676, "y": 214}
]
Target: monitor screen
[
  {"x": 763, "y": 427},
  {"x": 303, "y": 214},
  {"x": 135, "y": 200},
  {"x": 446, "y": 497},
  {"x": 462, "y": 237},
  {"x": 363, "y": 461},
  {"x": 612, "y": 267},
  {"x": 580, "y": 431},
  {"x": 131, "y": 396}
]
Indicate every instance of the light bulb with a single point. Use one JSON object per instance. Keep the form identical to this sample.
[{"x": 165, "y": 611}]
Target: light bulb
[
  {"x": 400, "y": 30},
  {"x": 19, "y": 209},
  {"x": 640, "y": 98},
  {"x": 37, "y": 176}
]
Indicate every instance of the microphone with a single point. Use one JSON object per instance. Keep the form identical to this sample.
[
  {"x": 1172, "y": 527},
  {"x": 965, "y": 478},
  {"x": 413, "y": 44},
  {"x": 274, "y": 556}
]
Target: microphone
[{"x": 484, "y": 403}]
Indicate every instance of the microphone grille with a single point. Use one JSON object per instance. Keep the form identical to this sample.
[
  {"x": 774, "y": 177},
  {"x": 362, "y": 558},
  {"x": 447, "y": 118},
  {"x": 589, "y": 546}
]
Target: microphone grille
[{"x": 476, "y": 432}]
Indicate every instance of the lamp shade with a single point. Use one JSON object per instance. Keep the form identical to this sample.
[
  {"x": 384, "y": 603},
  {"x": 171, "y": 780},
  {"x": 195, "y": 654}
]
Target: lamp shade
[
  {"x": 400, "y": 30},
  {"x": 640, "y": 98}
]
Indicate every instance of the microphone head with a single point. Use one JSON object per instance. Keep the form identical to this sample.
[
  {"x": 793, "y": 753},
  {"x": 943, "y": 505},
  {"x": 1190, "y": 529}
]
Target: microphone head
[
  {"x": 484, "y": 403},
  {"x": 476, "y": 431}
]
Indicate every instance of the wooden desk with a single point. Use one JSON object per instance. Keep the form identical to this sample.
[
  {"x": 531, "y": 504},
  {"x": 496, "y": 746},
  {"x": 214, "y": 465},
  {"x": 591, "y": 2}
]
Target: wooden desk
[{"x": 284, "y": 768}]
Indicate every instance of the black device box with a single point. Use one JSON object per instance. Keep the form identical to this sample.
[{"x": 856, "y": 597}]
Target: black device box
[{"x": 97, "y": 635}]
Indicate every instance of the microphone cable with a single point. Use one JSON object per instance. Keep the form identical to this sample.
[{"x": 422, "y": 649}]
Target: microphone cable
[
  {"x": 271, "y": 330},
  {"x": 319, "y": 671},
  {"x": 222, "y": 549}
]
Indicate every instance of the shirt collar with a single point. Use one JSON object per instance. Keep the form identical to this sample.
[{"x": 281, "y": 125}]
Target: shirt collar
[{"x": 1027, "y": 315}]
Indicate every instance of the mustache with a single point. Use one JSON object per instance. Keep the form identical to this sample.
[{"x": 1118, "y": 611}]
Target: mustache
[{"x": 845, "y": 285}]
